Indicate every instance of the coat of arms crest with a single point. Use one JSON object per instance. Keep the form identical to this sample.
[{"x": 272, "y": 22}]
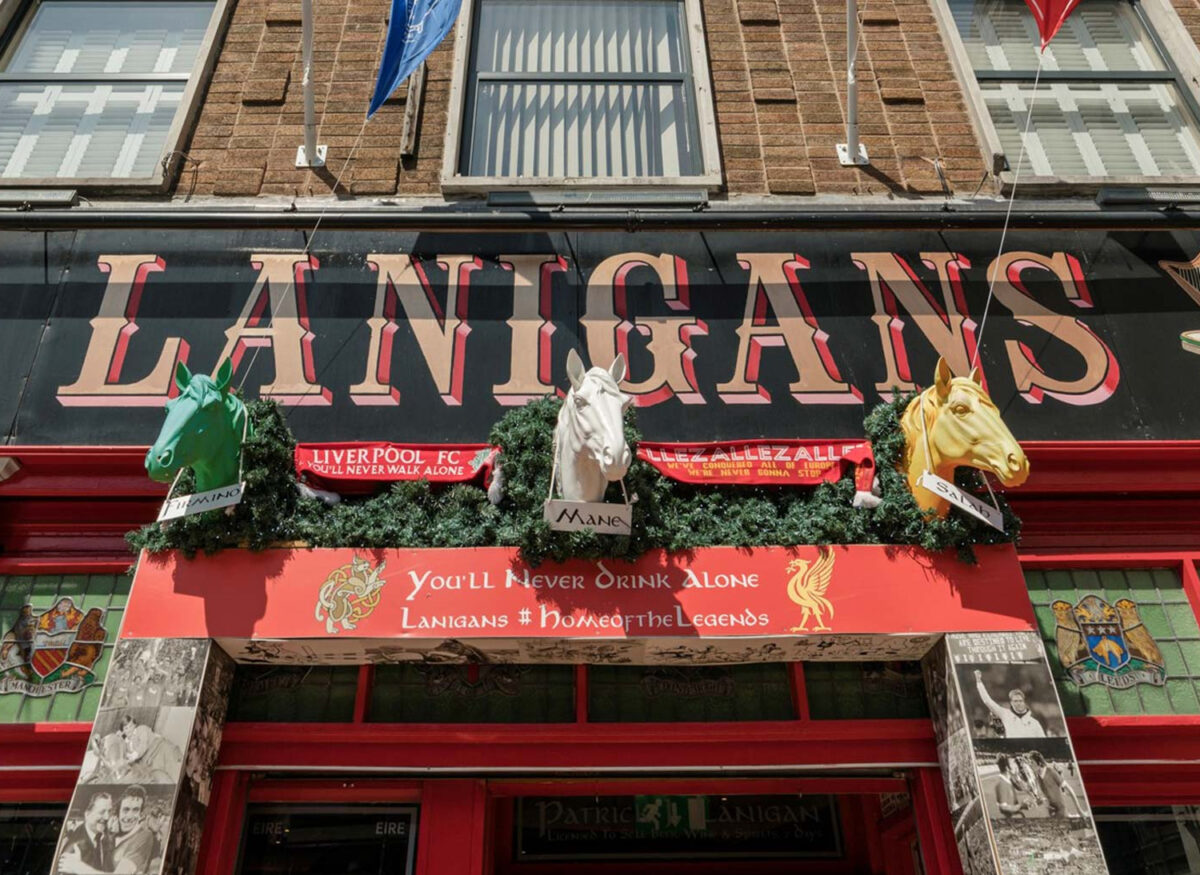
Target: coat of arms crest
[
  {"x": 1099, "y": 643},
  {"x": 54, "y": 651}
]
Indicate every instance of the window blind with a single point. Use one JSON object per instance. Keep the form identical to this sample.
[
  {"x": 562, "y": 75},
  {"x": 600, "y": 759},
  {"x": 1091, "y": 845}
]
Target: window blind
[
  {"x": 1100, "y": 35},
  {"x": 1116, "y": 129},
  {"x": 1107, "y": 105},
  {"x": 582, "y": 88},
  {"x": 84, "y": 120}
]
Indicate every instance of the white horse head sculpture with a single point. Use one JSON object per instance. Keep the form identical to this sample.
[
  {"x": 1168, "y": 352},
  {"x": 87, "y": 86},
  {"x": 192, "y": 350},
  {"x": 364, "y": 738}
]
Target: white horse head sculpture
[{"x": 589, "y": 440}]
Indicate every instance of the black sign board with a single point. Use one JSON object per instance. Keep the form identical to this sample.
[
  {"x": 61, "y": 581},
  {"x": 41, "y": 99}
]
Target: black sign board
[
  {"x": 328, "y": 840},
  {"x": 414, "y": 337},
  {"x": 676, "y": 827},
  {"x": 28, "y": 838}
]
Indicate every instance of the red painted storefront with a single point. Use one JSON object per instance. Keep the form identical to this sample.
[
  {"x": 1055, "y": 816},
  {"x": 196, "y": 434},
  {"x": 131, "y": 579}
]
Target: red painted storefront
[{"x": 1111, "y": 505}]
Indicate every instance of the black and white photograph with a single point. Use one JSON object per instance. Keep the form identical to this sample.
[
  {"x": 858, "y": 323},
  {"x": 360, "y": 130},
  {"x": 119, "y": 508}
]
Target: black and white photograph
[
  {"x": 974, "y": 843},
  {"x": 1024, "y": 779},
  {"x": 1010, "y": 701},
  {"x": 1048, "y": 846},
  {"x": 208, "y": 725},
  {"x": 958, "y": 769},
  {"x": 115, "y": 828},
  {"x": 966, "y": 817},
  {"x": 975, "y": 847},
  {"x": 941, "y": 693},
  {"x": 147, "y": 673},
  {"x": 137, "y": 746}
]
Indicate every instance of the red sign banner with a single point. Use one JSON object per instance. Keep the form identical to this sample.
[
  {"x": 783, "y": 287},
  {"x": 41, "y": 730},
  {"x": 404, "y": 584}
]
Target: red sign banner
[
  {"x": 779, "y": 462},
  {"x": 488, "y": 593},
  {"x": 357, "y": 467}
]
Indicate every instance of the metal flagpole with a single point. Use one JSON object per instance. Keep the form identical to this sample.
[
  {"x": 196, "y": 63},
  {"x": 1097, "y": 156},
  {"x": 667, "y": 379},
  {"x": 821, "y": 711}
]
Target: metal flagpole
[
  {"x": 309, "y": 154},
  {"x": 852, "y": 152}
]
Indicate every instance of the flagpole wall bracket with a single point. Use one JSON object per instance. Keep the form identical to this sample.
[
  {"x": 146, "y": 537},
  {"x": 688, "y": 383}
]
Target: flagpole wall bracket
[
  {"x": 848, "y": 160},
  {"x": 302, "y": 157}
]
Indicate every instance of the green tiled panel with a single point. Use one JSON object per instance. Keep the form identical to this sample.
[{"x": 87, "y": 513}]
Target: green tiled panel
[
  {"x": 473, "y": 694},
  {"x": 109, "y": 592},
  {"x": 293, "y": 694},
  {"x": 1164, "y": 608},
  {"x": 865, "y": 690},
  {"x": 644, "y": 694}
]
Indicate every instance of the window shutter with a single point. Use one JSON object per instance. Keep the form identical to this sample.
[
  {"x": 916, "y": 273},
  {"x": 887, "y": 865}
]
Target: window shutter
[
  {"x": 576, "y": 118},
  {"x": 1117, "y": 129},
  {"x": 1110, "y": 126},
  {"x": 92, "y": 126}
]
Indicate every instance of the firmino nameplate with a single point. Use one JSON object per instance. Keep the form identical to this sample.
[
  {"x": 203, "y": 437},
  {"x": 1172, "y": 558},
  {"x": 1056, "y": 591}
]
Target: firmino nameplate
[{"x": 186, "y": 505}]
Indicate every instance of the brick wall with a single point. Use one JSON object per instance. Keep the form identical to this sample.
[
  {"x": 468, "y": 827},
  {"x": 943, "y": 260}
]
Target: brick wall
[
  {"x": 778, "y": 71},
  {"x": 252, "y": 119}
]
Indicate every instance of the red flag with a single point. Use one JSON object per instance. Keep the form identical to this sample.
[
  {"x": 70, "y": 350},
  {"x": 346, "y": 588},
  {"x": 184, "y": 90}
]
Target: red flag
[{"x": 1050, "y": 15}]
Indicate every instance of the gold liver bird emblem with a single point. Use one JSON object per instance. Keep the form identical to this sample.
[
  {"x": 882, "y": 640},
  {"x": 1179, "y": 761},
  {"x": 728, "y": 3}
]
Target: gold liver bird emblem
[{"x": 807, "y": 588}]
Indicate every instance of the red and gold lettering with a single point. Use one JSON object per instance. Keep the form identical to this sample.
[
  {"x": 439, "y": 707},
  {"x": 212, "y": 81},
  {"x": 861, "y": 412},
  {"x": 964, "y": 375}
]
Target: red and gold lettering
[
  {"x": 774, "y": 287},
  {"x": 946, "y": 325},
  {"x": 1102, "y": 373},
  {"x": 529, "y": 375},
  {"x": 279, "y": 295},
  {"x": 441, "y": 335},
  {"x": 99, "y": 383},
  {"x": 608, "y": 324}
]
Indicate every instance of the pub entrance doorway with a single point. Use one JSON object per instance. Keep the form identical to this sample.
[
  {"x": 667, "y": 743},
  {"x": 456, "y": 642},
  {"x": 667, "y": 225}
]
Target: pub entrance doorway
[{"x": 862, "y": 825}]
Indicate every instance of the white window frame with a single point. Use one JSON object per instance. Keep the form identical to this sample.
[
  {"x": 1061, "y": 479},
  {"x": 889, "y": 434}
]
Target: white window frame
[
  {"x": 454, "y": 182},
  {"x": 15, "y": 17},
  {"x": 1180, "y": 53}
]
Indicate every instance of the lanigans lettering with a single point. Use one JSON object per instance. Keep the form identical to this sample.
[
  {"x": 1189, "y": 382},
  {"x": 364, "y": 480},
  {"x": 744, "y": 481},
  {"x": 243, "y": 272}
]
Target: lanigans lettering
[
  {"x": 406, "y": 291},
  {"x": 453, "y": 621}
]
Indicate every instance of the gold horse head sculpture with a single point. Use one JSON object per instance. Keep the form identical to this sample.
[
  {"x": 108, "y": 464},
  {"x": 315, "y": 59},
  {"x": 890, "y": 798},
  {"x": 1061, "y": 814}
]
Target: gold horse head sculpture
[{"x": 954, "y": 423}]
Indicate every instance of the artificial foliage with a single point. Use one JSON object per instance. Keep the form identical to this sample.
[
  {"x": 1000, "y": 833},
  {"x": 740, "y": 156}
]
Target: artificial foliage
[{"x": 666, "y": 514}]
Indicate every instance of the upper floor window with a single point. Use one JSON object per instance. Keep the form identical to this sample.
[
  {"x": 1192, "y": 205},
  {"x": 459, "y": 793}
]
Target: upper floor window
[
  {"x": 568, "y": 91},
  {"x": 1110, "y": 103},
  {"x": 91, "y": 92}
]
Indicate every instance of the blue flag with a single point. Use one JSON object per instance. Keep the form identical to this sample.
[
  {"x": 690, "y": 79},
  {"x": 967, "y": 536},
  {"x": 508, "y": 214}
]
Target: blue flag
[{"x": 415, "y": 29}]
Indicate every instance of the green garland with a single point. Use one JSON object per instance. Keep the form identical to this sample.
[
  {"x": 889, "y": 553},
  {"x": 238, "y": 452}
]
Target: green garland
[{"x": 667, "y": 514}]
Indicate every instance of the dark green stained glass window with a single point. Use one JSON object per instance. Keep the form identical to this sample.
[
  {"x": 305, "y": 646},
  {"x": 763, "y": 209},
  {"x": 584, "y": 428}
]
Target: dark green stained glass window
[
  {"x": 865, "y": 690},
  {"x": 99, "y": 596},
  {"x": 473, "y": 694},
  {"x": 293, "y": 694},
  {"x": 656, "y": 694},
  {"x": 1167, "y": 615}
]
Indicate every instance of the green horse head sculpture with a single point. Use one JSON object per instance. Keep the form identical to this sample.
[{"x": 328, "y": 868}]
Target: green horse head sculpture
[{"x": 204, "y": 429}]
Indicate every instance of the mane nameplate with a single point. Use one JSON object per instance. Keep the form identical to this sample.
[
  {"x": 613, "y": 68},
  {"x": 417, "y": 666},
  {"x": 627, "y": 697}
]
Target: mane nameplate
[{"x": 599, "y": 516}]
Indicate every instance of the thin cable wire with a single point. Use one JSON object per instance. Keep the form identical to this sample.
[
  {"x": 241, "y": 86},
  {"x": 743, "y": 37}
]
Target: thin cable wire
[
  {"x": 307, "y": 248},
  {"x": 1012, "y": 199}
]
